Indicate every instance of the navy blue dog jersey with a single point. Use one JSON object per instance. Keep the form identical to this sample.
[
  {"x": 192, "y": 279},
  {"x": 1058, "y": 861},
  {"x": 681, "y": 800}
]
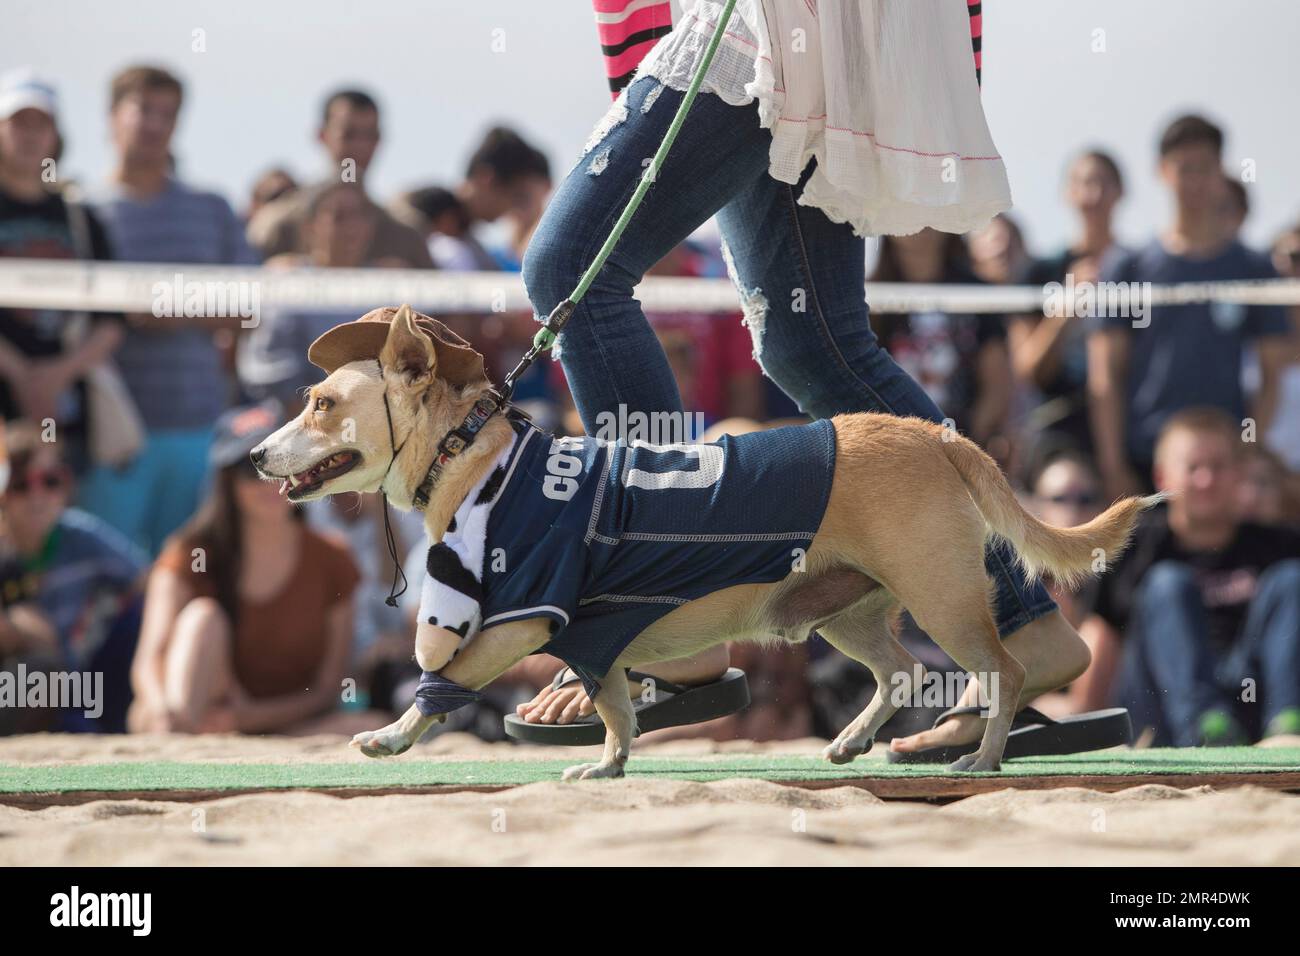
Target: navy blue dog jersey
[{"x": 603, "y": 539}]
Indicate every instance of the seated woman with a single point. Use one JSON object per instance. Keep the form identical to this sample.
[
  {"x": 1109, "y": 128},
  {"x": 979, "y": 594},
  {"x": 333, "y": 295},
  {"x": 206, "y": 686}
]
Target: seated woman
[{"x": 248, "y": 613}]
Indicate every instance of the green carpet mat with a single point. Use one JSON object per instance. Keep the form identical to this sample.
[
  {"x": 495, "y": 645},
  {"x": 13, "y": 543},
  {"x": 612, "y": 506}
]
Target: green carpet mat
[{"x": 408, "y": 772}]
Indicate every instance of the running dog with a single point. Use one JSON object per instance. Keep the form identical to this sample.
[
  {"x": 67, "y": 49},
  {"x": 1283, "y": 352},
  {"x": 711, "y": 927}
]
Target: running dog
[{"x": 618, "y": 555}]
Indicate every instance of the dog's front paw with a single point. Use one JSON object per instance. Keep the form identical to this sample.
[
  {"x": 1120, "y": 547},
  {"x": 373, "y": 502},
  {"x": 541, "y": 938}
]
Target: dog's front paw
[
  {"x": 382, "y": 743},
  {"x": 844, "y": 751},
  {"x": 594, "y": 771},
  {"x": 974, "y": 763}
]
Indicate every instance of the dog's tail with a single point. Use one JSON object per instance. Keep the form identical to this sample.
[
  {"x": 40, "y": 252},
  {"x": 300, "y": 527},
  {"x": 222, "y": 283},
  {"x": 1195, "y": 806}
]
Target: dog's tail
[{"x": 1068, "y": 554}]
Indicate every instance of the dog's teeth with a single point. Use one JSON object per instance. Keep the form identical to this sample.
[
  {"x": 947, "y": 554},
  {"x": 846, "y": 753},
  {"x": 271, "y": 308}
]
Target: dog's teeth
[{"x": 284, "y": 486}]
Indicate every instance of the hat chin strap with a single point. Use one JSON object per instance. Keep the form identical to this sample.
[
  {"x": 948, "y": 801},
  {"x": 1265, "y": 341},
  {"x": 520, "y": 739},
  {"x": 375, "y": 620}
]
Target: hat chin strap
[{"x": 393, "y": 593}]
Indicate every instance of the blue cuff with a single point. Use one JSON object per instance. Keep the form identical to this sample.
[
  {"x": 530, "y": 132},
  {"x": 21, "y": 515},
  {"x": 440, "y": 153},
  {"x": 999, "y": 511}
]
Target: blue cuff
[{"x": 438, "y": 695}]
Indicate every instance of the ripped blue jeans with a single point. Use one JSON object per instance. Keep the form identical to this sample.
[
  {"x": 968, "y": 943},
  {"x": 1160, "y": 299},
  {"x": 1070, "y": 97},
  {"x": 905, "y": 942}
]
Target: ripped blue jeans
[{"x": 800, "y": 278}]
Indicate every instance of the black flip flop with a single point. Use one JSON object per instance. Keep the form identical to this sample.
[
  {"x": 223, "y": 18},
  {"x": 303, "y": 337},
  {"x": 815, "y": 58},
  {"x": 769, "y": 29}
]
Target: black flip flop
[
  {"x": 673, "y": 706},
  {"x": 1034, "y": 734}
]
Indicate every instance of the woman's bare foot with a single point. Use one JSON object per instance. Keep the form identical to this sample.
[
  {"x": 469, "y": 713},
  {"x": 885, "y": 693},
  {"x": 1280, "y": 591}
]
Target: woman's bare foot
[
  {"x": 1053, "y": 655},
  {"x": 563, "y": 705},
  {"x": 963, "y": 729},
  {"x": 566, "y": 704}
]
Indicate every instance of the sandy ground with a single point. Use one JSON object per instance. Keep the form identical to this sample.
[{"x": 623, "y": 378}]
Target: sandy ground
[{"x": 638, "y": 822}]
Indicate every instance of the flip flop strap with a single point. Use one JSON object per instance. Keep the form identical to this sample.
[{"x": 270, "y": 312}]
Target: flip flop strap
[
  {"x": 560, "y": 680},
  {"x": 659, "y": 683},
  {"x": 1024, "y": 716}
]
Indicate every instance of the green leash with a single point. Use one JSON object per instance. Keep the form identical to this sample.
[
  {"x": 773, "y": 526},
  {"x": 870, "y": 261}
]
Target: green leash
[{"x": 561, "y": 314}]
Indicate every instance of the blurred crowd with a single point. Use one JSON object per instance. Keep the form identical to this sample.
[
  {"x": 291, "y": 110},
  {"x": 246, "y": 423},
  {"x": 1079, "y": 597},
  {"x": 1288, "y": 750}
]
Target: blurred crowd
[{"x": 137, "y": 542}]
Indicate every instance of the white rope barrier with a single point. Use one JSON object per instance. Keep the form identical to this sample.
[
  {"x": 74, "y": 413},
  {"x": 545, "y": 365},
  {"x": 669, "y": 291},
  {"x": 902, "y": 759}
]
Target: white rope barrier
[{"x": 164, "y": 289}]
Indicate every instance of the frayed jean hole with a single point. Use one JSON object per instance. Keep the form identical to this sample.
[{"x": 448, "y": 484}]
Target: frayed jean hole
[
  {"x": 599, "y": 162},
  {"x": 616, "y": 114},
  {"x": 650, "y": 98}
]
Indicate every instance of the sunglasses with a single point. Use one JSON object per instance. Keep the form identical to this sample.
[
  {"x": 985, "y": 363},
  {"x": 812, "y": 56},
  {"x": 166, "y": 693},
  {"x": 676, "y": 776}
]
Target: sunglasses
[{"x": 47, "y": 479}]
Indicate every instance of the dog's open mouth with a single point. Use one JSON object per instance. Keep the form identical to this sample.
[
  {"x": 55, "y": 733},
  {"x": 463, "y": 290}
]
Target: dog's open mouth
[{"x": 303, "y": 483}]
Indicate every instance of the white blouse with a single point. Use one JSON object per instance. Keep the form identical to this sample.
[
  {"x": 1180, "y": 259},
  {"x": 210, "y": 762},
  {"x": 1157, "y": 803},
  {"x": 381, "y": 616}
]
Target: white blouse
[{"x": 882, "y": 92}]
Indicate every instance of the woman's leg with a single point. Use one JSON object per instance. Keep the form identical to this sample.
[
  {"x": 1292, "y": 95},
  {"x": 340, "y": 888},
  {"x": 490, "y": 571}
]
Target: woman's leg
[
  {"x": 198, "y": 673},
  {"x": 610, "y": 354},
  {"x": 800, "y": 278}
]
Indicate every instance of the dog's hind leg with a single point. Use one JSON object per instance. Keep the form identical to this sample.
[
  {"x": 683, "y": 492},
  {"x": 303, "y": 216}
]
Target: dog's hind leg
[
  {"x": 954, "y": 609},
  {"x": 614, "y": 706},
  {"x": 862, "y": 633}
]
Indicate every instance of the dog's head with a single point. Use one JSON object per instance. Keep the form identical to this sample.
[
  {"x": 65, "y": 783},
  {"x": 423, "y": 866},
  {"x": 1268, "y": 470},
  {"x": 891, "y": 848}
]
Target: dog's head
[{"x": 341, "y": 441}]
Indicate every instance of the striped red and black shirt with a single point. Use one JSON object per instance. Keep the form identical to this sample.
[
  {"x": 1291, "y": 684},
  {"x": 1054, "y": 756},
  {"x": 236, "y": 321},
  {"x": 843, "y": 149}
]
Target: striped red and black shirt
[{"x": 629, "y": 28}]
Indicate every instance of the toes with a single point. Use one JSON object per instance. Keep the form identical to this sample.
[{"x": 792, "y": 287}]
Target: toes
[
  {"x": 601, "y": 772},
  {"x": 375, "y": 743},
  {"x": 570, "y": 713},
  {"x": 845, "y": 752},
  {"x": 974, "y": 763},
  {"x": 593, "y": 771}
]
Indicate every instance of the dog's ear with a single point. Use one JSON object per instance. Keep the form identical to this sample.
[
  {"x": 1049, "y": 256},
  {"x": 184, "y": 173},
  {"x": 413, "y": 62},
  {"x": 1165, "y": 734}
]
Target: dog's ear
[{"x": 408, "y": 351}]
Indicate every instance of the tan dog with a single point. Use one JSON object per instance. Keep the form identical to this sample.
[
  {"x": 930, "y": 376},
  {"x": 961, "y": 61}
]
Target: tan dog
[{"x": 909, "y": 512}]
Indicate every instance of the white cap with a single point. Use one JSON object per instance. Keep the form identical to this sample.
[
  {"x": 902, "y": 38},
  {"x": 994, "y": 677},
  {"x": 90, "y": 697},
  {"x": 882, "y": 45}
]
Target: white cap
[{"x": 22, "y": 89}]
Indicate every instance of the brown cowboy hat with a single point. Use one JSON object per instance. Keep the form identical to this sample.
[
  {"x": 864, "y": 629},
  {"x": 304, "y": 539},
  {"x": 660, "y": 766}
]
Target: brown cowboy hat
[{"x": 364, "y": 338}]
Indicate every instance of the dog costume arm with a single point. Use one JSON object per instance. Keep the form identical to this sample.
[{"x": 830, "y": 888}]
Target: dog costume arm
[{"x": 450, "y": 612}]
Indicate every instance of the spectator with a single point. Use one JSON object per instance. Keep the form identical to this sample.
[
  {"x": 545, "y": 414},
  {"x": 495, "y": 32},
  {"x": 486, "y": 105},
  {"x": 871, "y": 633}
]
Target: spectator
[
  {"x": 1284, "y": 436},
  {"x": 1188, "y": 354},
  {"x": 275, "y": 183},
  {"x": 1208, "y": 605},
  {"x": 69, "y": 582},
  {"x": 960, "y": 360},
  {"x": 358, "y": 520},
  {"x": 337, "y": 233},
  {"x": 171, "y": 364},
  {"x": 1049, "y": 352},
  {"x": 1066, "y": 492},
  {"x": 248, "y": 614},
  {"x": 997, "y": 252},
  {"x": 349, "y": 132},
  {"x": 1262, "y": 497},
  {"x": 1236, "y": 206},
  {"x": 45, "y": 355},
  {"x": 506, "y": 177}
]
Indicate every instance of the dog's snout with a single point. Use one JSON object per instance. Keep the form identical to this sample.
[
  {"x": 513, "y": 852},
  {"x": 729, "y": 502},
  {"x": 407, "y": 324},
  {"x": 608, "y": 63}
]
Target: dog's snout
[{"x": 257, "y": 454}]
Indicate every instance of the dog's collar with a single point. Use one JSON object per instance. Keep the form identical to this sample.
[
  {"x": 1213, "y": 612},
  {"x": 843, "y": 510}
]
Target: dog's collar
[
  {"x": 453, "y": 443},
  {"x": 457, "y": 440}
]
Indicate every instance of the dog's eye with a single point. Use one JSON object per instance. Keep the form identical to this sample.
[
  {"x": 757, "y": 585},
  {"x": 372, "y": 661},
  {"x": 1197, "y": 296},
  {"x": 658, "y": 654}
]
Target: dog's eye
[{"x": 323, "y": 404}]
